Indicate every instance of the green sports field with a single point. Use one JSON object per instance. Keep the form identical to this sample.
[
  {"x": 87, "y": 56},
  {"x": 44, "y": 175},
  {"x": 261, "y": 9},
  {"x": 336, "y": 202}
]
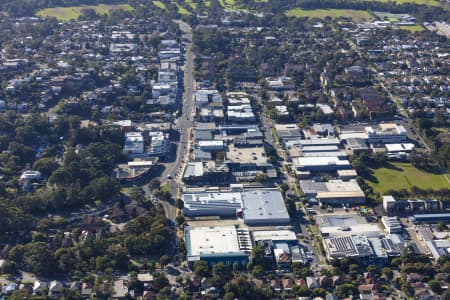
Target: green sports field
[
  {"x": 356, "y": 15},
  {"x": 421, "y": 2},
  {"x": 73, "y": 12},
  {"x": 404, "y": 176}
]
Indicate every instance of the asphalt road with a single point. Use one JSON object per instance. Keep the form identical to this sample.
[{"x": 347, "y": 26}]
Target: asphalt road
[{"x": 173, "y": 170}]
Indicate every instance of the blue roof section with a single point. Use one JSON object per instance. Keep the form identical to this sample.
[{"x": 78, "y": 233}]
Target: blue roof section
[{"x": 431, "y": 217}]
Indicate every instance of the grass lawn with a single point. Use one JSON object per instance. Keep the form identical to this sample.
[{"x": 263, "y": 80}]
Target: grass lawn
[
  {"x": 404, "y": 175},
  {"x": 413, "y": 28},
  {"x": 229, "y": 4},
  {"x": 424, "y": 2},
  {"x": 181, "y": 9},
  {"x": 192, "y": 4},
  {"x": 165, "y": 188},
  {"x": 388, "y": 16},
  {"x": 159, "y": 4},
  {"x": 356, "y": 15},
  {"x": 73, "y": 12}
]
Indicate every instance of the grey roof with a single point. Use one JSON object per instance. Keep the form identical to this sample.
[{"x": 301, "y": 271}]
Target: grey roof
[
  {"x": 205, "y": 126},
  {"x": 202, "y": 155},
  {"x": 264, "y": 207},
  {"x": 203, "y": 135},
  {"x": 312, "y": 187},
  {"x": 357, "y": 143}
]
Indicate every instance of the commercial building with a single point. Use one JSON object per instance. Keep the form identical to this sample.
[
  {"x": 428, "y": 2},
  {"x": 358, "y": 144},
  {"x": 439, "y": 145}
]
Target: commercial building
[
  {"x": 318, "y": 142},
  {"x": 336, "y": 192},
  {"x": 256, "y": 207},
  {"x": 225, "y": 244},
  {"x": 321, "y": 164},
  {"x": 275, "y": 236},
  {"x": 355, "y": 146},
  {"x": 281, "y": 245},
  {"x": 240, "y": 114},
  {"x": 133, "y": 170},
  {"x": 431, "y": 218},
  {"x": 387, "y": 133},
  {"x": 347, "y": 174},
  {"x": 394, "y": 207},
  {"x": 350, "y": 246},
  {"x": 193, "y": 171},
  {"x": 212, "y": 145},
  {"x": 264, "y": 207},
  {"x": 204, "y": 97},
  {"x": 333, "y": 225},
  {"x": 206, "y": 172},
  {"x": 288, "y": 132},
  {"x": 220, "y": 204},
  {"x": 391, "y": 225},
  {"x": 438, "y": 248},
  {"x": 398, "y": 148}
]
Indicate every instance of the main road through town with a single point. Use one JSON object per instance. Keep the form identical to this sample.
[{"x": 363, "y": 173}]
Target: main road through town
[{"x": 183, "y": 124}]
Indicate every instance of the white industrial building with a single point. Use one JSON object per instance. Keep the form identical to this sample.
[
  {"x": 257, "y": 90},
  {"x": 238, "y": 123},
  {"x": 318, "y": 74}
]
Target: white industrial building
[
  {"x": 225, "y": 244},
  {"x": 321, "y": 164},
  {"x": 282, "y": 235},
  {"x": 264, "y": 207},
  {"x": 391, "y": 225},
  {"x": 350, "y": 246},
  {"x": 256, "y": 207},
  {"x": 223, "y": 204},
  {"x": 332, "y": 225},
  {"x": 211, "y": 145},
  {"x": 386, "y": 133},
  {"x": 396, "y": 148},
  {"x": 334, "y": 191}
]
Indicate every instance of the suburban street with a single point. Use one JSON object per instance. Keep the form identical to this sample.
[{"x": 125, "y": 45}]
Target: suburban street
[{"x": 183, "y": 124}]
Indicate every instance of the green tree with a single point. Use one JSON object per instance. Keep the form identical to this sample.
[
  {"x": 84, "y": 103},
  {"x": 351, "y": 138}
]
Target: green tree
[
  {"x": 164, "y": 260},
  {"x": 201, "y": 269},
  {"x": 258, "y": 271},
  {"x": 179, "y": 203},
  {"x": 46, "y": 166},
  {"x": 387, "y": 272},
  {"x": 258, "y": 253},
  {"x": 435, "y": 286}
]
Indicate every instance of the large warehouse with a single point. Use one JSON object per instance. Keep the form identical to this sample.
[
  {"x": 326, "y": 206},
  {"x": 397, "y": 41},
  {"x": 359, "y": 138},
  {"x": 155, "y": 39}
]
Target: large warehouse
[
  {"x": 211, "y": 204},
  {"x": 224, "y": 244},
  {"x": 336, "y": 192},
  {"x": 264, "y": 207},
  {"x": 321, "y": 164},
  {"x": 333, "y": 225},
  {"x": 256, "y": 207}
]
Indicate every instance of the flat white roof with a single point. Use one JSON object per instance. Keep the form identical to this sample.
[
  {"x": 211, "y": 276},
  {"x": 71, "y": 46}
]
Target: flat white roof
[
  {"x": 342, "y": 186},
  {"x": 210, "y": 143},
  {"x": 206, "y": 197},
  {"x": 212, "y": 240},
  {"x": 274, "y": 235},
  {"x": 320, "y": 161},
  {"x": 369, "y": 230},
  {"x": 144, "y": 163},
  {"x": 264, "y": 206},
  {"x": 399, "y": 147}
]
